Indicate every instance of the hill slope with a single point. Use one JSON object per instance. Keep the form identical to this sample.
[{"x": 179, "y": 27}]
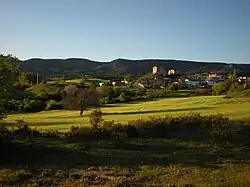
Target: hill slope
[{"x": 123, "y": 66}]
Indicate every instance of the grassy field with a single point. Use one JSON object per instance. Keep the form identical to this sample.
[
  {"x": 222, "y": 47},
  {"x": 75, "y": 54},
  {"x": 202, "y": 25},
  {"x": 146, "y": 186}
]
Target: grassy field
[
  {"x": 63, "y": 120},
  {"x": 181, "y": 158},
  {"x": 76, "y": 81}
]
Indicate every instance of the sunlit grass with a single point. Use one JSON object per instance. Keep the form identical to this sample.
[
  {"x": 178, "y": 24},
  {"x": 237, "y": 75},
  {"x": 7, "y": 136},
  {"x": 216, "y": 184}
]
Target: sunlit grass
[{"x": 122, "y": 113}]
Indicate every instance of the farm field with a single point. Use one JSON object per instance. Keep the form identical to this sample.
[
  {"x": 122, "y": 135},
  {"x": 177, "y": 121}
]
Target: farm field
[{"x": 122, "y": 113}]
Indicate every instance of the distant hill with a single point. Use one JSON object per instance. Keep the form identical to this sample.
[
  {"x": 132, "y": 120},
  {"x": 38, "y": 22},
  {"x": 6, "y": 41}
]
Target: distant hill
[{"x": 71, "y": 66}]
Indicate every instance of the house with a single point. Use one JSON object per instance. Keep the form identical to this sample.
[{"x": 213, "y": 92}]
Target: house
[
  {"x": 192, "y": 83},
  {"x": 125, "y": 82},
  {"x": 117, "y": 83},
  {"x": 214, "y": 76},
  {"x": 171, "y": 72}
]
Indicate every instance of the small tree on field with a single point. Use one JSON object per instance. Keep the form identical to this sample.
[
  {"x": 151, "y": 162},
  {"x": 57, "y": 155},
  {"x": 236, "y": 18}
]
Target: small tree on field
[
  {"x": 95, "y": 118},
  {"x": 81, "y": 99}
]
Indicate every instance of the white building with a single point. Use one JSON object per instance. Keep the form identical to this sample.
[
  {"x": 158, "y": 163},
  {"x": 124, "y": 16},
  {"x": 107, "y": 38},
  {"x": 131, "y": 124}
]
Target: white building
[{"x": 192, "y": 83}]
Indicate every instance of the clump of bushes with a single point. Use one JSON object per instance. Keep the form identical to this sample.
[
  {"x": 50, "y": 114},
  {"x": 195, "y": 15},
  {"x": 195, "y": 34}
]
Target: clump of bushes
[
  {"x": 239, "y": 93},
  {"x": 100, "y": 129},
  {"x": 213, "y": 127},
  {"x": 200, "y": 92},
  {"x": 54, "y": 105},
  {"x": 33, "y": 106}
]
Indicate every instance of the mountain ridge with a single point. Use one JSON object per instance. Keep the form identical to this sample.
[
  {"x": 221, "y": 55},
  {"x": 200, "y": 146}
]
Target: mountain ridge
[{"x": 120, "y": 66}]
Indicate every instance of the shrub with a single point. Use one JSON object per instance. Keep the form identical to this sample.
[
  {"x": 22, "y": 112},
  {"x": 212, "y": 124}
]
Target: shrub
[
  {"x": 87, "y": 133},
  {"x": 140, "y": 92},
  {"x": 122, "y": 97},
  {"x": 46, "y": 95},
  {"x": 54, "y": 105},
  {"x": 173, "y": 87},
  {"x": 157, "y": 94},
  {"x": 24, "y": 131},
  {"x": 113, "y": 129},
  {"x": 188, "y": 124},
  {"x": 222, "y": 87},
  {"x": 131, "y": 131},
  {"x": 34, "y": 106},
  {"x": 219, "y": 123},
  {"x": 95, "y": 118},
  {"x": 239, "y": 93},
  {"x": 200, "y": 92},
  {"x": 2, "y": 113}
]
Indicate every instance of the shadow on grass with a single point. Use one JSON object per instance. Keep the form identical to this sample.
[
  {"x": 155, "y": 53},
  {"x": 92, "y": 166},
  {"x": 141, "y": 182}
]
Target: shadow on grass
[
  {"x": 130, "y": 153},
  {"x": 193, "y": 109},
  {"x": 39, "y": 124}
]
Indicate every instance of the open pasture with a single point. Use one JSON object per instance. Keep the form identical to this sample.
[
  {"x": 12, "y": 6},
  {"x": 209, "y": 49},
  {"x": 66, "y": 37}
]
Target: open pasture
[{"x": 62, "y": 119}]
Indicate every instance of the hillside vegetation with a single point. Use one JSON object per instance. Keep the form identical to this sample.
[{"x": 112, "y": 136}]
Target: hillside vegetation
[{"x": 120, "y": 67}]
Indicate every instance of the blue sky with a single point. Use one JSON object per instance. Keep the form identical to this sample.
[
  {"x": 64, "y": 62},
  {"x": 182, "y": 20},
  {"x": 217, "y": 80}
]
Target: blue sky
[{"x": 203, "y": 30}]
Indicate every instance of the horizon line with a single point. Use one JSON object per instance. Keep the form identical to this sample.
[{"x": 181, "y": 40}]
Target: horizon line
[{"x": 163, "y": 59}]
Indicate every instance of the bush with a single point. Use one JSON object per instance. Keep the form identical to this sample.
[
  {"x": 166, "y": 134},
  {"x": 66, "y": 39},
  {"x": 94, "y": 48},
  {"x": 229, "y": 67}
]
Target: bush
[
  {"x": 24, "y": 131},
  {"x": 131, "y": 131},
  {"x": 33, "y": 106},
  {"x": 54, "y": 105},
  {"x": 87, "y": 134},
  {"x": 13, "y": 105},
  {"x": 95, "y": 118},
  {"x": 157, "y": 94},
  {"x": 173, "y": 87},
  {"x": 45, "y": 95},
  {"x": 188, "y": 124},
  {"x": 222, "y": 87},
  {"x": 122, "y": 97},
  {"x": 2, "y": 113},
  {"x": 241, "y": 93},
  {"x": 200, "y": 92}
]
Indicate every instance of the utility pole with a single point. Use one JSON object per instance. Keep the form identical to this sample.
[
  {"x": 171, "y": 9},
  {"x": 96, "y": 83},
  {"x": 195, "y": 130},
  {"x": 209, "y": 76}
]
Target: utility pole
[{"x": 37, "y": 80}]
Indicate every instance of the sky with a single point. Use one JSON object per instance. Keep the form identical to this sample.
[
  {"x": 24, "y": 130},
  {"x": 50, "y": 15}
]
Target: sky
[{"x": 104, "y": 30}]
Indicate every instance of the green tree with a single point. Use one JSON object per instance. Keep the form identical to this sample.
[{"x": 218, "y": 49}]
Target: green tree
[
  {"x": 81, "y": 99},
  {"x": 95, "y": 118},
  {"x": 233, "y": 76},
  {"x": 108, "y": 93},
  {"x": 129, "y": 78},
  {"x": 9, "y": 69},
  {"x": 173, "y": 87},
  {"x": 222, "y": 87}
]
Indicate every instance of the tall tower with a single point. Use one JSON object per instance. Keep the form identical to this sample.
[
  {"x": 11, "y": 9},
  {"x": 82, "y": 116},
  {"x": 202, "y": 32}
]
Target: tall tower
[{"x": 155, "y": 69}]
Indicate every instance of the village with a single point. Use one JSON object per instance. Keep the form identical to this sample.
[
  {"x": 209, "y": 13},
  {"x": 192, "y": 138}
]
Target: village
[{"x": 160, "y": 78}]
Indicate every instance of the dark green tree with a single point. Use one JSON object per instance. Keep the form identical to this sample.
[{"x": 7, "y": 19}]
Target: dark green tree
[
  {"x": 9, "y": 69},
  {"x": 173, "y": 87},
  {"x": 81, "y": 99}
]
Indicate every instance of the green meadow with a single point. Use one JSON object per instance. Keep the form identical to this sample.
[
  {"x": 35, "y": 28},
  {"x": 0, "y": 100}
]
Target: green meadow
[{"x": 236, "y": 109}]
